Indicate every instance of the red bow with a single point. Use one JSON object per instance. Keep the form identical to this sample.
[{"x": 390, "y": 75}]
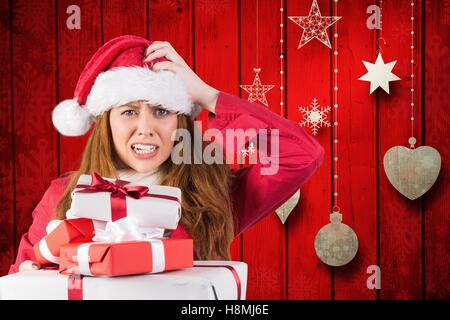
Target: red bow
[
  {"x": 119, "y": 191},
  {"x": 100, "y": 184}
]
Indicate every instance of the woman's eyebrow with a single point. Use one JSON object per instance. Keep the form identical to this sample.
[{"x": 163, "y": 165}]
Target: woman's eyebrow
[
  {"x": 139, "y": 106},
  {"x": 134, "y": 106},
  {"x": 153, "y": 106}
]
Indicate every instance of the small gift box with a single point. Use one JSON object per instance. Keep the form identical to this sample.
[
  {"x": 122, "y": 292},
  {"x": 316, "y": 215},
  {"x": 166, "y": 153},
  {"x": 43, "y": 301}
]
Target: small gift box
[
  {"x": 223, "y": 280},
  {"x": 103, "y": 199},
  {"x": 126, "y": 258},
  {"x": 59, "y": 233}
]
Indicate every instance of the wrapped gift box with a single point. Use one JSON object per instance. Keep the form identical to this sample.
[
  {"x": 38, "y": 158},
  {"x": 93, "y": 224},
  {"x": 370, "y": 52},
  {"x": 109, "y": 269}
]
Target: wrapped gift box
[
  {"x": 103, "y": 199},
  {"x": 126, "y": 258},
  {"x": 223, "y": 280},
  {"x": 47, "y": 250}
]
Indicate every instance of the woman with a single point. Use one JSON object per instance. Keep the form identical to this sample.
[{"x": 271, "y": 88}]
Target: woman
[{"x": 139, "y": 93}]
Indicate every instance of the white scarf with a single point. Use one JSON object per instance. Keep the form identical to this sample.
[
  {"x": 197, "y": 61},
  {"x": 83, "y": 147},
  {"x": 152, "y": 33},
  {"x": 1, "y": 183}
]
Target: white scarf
[{"x": 137, "y": 178}]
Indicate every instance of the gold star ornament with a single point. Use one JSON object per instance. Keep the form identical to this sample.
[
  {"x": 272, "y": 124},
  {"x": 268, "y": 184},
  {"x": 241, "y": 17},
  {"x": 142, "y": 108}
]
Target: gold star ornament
[
  {"x": 314, "y": 26},
  {"x": 257, "y": 91}
]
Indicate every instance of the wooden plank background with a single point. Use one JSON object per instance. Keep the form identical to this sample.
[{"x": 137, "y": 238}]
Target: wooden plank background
[{"x": 41, "y": 60}]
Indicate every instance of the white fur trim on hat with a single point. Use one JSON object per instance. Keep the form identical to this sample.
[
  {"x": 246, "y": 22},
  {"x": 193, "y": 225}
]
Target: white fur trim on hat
[
  {"x": 70, "y": 119},
  {"x": 122, "y": 85}
]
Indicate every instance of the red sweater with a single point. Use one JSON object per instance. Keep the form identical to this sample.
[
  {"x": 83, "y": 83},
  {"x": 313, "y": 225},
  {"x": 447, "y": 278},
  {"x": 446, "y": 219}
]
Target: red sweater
[{"x": 254, "y": 196}]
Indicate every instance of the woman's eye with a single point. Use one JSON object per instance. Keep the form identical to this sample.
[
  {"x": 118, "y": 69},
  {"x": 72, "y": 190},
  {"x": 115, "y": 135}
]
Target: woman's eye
[
  {"x": 160, "y": 112},
  {"x": 129, "y": 113}
]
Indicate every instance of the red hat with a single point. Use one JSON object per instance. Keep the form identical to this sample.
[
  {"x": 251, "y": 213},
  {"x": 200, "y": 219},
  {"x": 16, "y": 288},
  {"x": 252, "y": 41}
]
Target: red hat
[{"x": 116, "y": 75}]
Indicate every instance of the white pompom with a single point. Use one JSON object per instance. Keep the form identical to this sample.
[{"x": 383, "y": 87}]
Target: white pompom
[{"x": 70, "y": 119}]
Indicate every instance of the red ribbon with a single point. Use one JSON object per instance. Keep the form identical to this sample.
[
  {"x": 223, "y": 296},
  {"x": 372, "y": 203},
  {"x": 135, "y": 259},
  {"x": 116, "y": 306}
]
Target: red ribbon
[
  {"x": 119, "y": 191},
  {"x": 75, "y": 287},
  {"x": 233, "y": 271}
]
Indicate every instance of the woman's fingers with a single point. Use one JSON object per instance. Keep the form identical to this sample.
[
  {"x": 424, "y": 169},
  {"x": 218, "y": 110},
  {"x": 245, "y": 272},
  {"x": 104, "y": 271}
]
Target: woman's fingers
[
  {"x": 165, "y": 65},
  {"x": 28, "y": 265},
  {"x": 160, "y": 49},
  {"x": 157, "y": 48},
  {"x": 161, "y": 52},
  {"x": 155, "y": 45}
]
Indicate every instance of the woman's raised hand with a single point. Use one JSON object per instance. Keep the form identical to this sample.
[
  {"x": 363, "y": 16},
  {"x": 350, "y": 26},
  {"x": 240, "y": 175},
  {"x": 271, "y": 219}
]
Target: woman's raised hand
[{"x": 200, "y": 92}]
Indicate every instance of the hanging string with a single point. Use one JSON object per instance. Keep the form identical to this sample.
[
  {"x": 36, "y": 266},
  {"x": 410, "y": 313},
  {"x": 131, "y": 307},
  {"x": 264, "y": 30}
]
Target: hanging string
[
  {"x": 381, "y": 18},
  {"x": 335, "y": 114},
  {"x": 379, "y": 50},
  {"x": 257, "y": 34},
  {"x": 282, "y": 109},
  {"x": 412, "y": 104}
]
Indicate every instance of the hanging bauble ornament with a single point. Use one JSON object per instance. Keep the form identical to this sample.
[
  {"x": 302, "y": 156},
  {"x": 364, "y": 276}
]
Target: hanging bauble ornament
[
  {"x": 412, "y": 171},
  {"x": 336, "y": 243},
  {"x": 286, "y": 208}
]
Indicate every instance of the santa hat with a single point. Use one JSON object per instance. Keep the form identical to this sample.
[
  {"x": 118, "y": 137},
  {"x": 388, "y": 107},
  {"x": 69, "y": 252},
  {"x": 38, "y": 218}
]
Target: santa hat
[{"x": 117, "y": 75}]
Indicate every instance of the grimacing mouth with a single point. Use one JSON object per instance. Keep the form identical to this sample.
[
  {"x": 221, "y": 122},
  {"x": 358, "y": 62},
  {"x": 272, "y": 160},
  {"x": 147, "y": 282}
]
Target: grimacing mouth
[{"x": 144, "y": 147}]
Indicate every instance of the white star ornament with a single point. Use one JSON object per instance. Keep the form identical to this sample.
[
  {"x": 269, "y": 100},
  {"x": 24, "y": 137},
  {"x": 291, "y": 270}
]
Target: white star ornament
[{"x": 379, "y": 74}]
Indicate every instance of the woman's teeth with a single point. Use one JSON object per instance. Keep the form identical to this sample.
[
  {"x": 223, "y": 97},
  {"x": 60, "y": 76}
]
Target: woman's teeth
[{"x": 141, "y": 148}]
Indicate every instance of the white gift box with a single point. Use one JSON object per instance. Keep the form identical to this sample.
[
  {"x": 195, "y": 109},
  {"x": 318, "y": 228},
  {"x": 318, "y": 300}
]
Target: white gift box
[
  {"x": 207, "y": 280},
  {"x": 149, "y": 211}
]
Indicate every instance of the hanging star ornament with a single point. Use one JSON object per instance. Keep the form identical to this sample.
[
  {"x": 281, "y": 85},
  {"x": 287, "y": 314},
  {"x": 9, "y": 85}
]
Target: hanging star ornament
[
  {"x": 379, "y": 74},
  {"x": 314, "y": 26},
  {"x": 257, "y": 91}
]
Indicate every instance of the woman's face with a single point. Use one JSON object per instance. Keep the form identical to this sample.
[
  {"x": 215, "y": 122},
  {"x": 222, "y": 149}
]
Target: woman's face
[{"x": 142, "y": 134}]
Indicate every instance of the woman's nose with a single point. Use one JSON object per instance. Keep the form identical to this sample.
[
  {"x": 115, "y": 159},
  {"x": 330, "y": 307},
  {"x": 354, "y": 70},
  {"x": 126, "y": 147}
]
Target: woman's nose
[
  {"x": 146, "y": 133},
  {"x": 145, "y": 125}
]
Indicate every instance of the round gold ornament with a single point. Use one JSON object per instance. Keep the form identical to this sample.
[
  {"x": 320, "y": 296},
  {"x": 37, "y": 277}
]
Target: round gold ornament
[{"x": 336, "y": 243}]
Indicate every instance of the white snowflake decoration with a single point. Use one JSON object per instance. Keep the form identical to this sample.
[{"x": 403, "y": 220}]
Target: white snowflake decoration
[
  {"x": 250, "y": 150},
  {"x": 315, "y": 116}
]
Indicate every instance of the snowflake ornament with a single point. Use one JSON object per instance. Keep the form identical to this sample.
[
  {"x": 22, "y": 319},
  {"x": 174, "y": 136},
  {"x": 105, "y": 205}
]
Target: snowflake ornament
[
  {"x": 251, "y": 150},
  {"x": 315, "y": 116},
  {"x": 257, "y": 91}
]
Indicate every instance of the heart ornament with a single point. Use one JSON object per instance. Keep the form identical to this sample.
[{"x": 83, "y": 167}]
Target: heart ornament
[
  {"x": 412, "y": 171},
  {"x": 286, "y": 208}
]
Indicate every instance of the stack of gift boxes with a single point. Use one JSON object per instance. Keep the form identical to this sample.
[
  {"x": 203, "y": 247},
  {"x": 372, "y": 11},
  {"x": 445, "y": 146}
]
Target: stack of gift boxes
[{"x": 113, "y": 246}]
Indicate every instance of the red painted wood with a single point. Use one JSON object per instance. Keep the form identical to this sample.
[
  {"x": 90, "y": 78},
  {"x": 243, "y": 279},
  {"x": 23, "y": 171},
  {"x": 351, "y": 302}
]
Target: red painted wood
[
  {"x": 34, "y": 65},
  {"x": 7, "y": 248},
  {"x": 173, "y": 21},
  {"x": 308, "y": 77},
  {"x": 357, "y": 147},
  {"x": 217, "y": 55},
  {"x": 437, "y": 100},
  {"x": 75, "y": 48},
  {"x": 124, "y": 17},
  {"x": 400, "y": 218},
  {"x": 264, "y": 245}
]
